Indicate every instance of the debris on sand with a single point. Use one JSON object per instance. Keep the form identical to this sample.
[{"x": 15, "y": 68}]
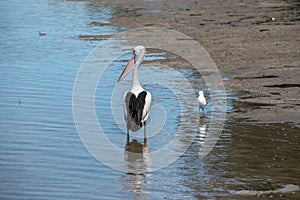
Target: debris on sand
[
  {"x": 98, "y": 24},
  {"x": 286, "y": 189},
  {"x": 94, "y": 37}
]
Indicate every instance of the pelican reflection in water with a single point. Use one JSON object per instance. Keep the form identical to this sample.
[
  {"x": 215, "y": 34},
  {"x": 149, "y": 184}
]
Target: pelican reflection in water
[
  {"x": 138, "y": 159},
  {"x": 138, "y": 155}
]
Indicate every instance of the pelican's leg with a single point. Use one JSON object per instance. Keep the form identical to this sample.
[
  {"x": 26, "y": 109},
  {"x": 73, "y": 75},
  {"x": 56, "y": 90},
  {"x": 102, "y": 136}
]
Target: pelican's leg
[
  {"x": 145, "y": 137},
  {"x": 202, "y": 112},
  {"x": 128, "y": 139}
]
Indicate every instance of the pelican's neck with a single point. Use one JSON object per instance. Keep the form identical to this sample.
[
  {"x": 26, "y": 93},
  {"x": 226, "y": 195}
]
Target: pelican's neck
[{"x": 135, "y": 79}]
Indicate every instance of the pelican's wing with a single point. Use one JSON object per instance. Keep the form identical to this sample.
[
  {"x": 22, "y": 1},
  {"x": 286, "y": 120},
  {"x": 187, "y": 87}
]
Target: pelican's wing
[
  {"x": 125, "y": 105},
  {"x": 146, "y": 109},
  {"x": 134, "y": 110}
]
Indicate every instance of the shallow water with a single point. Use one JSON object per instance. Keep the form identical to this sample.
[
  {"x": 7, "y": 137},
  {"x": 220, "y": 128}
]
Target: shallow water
[{"x": 42, "y": 156}]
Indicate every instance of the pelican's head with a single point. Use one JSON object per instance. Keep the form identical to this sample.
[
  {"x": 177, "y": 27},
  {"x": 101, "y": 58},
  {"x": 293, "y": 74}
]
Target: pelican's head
[
  {"x": 139, "y": 52},
  {"x": 135, "y": 60},
  {"x": 201, "y": 94}
]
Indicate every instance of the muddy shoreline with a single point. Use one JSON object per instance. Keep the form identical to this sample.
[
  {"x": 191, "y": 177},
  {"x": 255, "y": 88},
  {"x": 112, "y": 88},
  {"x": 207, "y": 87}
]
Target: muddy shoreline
[
  {"x": 254, "y": 44},
  {"x": 258, "y": 55}
]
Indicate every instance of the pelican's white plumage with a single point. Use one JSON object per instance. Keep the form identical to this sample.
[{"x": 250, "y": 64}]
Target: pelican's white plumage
[{"x": 137, "y": 101}]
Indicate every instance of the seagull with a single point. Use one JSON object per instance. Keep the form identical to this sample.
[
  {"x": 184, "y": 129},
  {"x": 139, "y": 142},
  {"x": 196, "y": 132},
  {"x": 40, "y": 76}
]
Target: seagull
[
  {"x": 201, "y": 101},
  {"x": 137, "y": 101}
]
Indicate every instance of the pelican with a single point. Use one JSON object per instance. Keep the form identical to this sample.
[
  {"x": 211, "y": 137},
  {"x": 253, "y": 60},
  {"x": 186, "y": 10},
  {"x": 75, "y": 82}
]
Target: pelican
[
  {"x": 201, "y": 101},
  {"x": 137, "y": 101}
]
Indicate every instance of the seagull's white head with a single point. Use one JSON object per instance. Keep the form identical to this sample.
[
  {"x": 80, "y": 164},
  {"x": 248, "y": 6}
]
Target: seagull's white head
[
  {"x": 201, "y": 94},
  {"x": 135, "y": 60}
]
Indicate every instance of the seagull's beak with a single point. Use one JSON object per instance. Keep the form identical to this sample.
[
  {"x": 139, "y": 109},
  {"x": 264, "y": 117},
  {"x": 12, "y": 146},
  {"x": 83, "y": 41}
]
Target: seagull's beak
[{"x": 128, "y": 67}]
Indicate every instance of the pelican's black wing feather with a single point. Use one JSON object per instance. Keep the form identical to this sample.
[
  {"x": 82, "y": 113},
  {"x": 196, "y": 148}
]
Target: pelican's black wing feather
[{"x": 134, "y": 108}]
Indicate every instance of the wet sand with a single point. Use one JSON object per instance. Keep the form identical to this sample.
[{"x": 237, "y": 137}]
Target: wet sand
[{"x": 254, "y": 44}]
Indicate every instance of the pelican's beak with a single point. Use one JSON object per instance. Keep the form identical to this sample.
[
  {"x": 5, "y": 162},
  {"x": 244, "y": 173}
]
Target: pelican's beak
[{"x": 128, "y": 67}]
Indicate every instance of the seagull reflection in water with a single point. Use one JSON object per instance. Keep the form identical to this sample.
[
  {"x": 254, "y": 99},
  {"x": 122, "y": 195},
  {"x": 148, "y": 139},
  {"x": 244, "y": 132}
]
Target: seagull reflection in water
[{"x": 202, "y": 129}]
